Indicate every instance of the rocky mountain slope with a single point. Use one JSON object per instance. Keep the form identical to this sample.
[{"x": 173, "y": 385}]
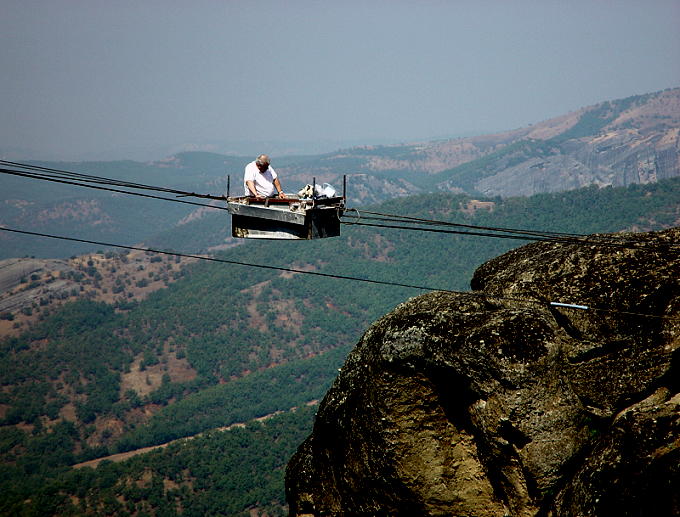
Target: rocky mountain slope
[
  {"x": 497, "y": 403},
  {"x": 618, "y": 142},
  {"x": 622, "y": 142}
]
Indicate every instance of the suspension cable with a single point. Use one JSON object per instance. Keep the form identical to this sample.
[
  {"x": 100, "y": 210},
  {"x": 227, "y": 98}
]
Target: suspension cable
[
  {"x": 119, "y": 191},
  {"x": 225, "y": 261},
  {"x": 476, "y": 294},
  {"x": 91, "y": 181}
]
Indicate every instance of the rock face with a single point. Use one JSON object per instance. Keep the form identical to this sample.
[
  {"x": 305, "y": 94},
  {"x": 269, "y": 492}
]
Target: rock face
[
  {"x": 499, "y": 403},
  {"x": 617, "y": 143}
]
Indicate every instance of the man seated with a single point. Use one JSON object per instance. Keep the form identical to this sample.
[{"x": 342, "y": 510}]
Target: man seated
[{"x": 260, "y": 180}]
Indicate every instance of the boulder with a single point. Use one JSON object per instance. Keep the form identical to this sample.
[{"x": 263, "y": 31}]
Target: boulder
[{"x": 550, "y": 389}]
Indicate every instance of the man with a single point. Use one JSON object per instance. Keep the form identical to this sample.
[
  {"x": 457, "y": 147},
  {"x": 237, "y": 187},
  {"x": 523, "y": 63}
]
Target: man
[{"x": 260, "y": 180}]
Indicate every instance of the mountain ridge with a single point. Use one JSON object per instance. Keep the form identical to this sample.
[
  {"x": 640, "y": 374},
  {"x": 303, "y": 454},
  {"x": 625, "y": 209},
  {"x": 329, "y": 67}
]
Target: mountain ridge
[{"x": 647, "y": 124}]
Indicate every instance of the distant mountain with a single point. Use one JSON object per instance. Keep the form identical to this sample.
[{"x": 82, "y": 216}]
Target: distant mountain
[{"x": 618, "y": 143}]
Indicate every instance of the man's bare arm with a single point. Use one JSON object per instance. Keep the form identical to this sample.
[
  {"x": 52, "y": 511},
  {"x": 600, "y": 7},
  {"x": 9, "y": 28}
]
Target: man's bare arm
[{"x": 277, "y": 184}]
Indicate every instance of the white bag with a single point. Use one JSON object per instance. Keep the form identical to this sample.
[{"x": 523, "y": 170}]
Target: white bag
[{"x": 326, "y": 190}]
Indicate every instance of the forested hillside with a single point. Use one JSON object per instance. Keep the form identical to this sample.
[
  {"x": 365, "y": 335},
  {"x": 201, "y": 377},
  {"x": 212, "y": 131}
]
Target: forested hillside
[{"x": 225, "y": 344}]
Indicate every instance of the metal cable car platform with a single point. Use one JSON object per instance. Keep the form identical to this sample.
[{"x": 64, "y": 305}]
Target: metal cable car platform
[{"x": 289, "y": 218}]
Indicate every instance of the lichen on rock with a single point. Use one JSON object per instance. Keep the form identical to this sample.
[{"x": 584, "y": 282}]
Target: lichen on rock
[{"x": 496, "y": 402}]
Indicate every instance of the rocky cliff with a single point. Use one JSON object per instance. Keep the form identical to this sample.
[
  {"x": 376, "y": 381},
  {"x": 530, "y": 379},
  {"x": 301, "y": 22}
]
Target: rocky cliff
[
  {"x": 617, "y": 143},
  {"x": 499, "y": 403}
]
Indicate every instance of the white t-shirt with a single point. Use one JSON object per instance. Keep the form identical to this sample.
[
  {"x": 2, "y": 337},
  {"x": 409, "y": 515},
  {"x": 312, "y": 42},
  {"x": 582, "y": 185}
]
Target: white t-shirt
[{"x": 264, "y": 181}]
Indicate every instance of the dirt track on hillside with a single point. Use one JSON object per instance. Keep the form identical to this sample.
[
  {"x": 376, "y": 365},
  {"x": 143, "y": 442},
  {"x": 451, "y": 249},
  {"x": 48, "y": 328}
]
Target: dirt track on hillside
[{"x": 122, "y": 456}]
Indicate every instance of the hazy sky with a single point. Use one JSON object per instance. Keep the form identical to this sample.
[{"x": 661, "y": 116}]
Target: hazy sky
[{"x": 135, "y": 78}]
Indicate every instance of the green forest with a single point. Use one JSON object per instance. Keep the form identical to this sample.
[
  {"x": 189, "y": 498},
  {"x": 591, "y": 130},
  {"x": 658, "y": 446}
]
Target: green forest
[
  {"x": 254, "y": 342},
  {"x": 216, "y": 473}
]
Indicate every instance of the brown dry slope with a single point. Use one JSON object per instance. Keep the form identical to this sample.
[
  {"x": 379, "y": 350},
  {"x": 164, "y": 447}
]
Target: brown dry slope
[{"x": 30, "y": 286}]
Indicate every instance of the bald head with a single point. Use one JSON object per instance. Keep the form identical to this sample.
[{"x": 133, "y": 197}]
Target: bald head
[{"x": 263, "y": 159}]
